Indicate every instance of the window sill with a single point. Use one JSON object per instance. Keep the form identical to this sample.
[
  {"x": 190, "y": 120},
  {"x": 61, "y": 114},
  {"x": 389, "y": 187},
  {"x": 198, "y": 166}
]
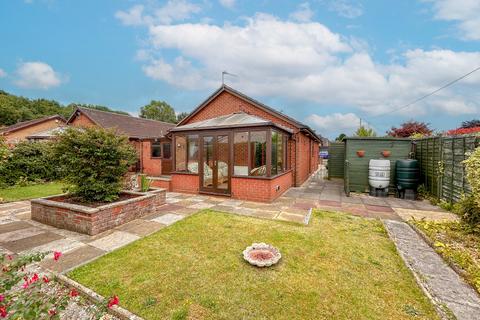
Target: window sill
[
  {"x": 264, "y": 177},
  {"x": 184, "y": 172}
]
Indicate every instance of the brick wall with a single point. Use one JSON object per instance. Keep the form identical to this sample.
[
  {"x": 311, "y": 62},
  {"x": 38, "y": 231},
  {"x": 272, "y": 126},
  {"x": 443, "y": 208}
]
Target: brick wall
[
  {"x": 307, "y": 159},
  {"x": 22, "y": 134},
  {"x": 82, "y": 121},
  {"x": 188, "y": 183},
  {"x": 263, "y": 190},
  {"x": 150, "y": 166},
  {"x": 92, "y": 221}
]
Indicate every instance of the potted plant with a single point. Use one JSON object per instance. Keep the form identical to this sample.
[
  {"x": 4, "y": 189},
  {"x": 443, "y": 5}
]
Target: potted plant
[
  {"x": 361, "y": 153},
  {"x": 386, "y": 153}
]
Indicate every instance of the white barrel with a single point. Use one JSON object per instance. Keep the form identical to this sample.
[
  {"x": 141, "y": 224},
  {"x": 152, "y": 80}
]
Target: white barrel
[{"x": 379, "y": 173}]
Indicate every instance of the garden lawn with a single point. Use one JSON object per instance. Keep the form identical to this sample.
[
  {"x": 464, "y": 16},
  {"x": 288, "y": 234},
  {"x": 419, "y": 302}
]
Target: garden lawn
[
  {"x": 456, "y": 245},
  {"x": 17, "y": 193},
  {"x": 338, "y": 267}
]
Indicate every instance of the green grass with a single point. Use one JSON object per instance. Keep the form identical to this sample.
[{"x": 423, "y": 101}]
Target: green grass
[
  {"x": 30, "y": 192},
  {"x": 338, "y": 267},
  {"x": 456, "y": 245}
]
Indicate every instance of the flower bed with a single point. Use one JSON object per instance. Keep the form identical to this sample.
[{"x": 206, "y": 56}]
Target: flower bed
[{"x": 90, "y": 220}]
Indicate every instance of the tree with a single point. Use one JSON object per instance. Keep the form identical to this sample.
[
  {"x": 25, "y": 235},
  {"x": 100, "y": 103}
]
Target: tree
[
  {"x": 158, "y": 110},
  {"x": 72, "y": 107},
  {"x": 340, "y": 137},
  {"x": 364, "y": 132},
  {"x": 409, "y": 129},
  {"x": 181, "y": 116},
  {"x": 471, "y": 124},
  {"x": 93, "y": 162}
]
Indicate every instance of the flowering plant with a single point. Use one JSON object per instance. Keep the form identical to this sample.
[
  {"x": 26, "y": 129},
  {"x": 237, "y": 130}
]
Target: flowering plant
[
  {"x": 28, "y": 295},
  {"x": 460, "y": 131}
]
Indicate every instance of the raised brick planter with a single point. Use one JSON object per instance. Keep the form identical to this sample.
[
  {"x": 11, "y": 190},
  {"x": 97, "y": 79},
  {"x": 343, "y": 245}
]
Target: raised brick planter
[{"x": 92, "y": 221}]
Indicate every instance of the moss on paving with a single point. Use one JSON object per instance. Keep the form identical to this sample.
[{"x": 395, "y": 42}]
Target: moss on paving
[
  {"x": 18, "y": 193},
  {"x": 338, "y": 267}
]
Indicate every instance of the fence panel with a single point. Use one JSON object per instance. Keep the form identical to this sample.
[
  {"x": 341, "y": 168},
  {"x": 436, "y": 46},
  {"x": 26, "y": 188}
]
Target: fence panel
[
  {"x": 336, "y": 160},
  {"x": 441, "y": 165}
]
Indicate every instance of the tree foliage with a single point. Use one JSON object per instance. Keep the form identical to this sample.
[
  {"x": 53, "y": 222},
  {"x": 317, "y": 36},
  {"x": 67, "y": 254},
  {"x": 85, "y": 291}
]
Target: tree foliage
[
  {"x": 93, "y": 162},
  {"x": 471, "y": 124},
  {"x": 362, "y": 131},
  {"x": 340, "y": 137},
  {"x": 181, "y": 116},
  {"x": 158, "y": 110},
  {"x": 15, "y": 109},
  {"x": 470, "y": 205},
  {"x": 409, "y": 129}
]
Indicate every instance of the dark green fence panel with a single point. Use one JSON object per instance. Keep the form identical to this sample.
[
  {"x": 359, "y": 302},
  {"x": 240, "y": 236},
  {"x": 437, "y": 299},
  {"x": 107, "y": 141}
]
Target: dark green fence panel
[
  {"x": 357, "y": 179},
  {"x": 441, "y": 164},
  {"x": 336, "y": 160}
]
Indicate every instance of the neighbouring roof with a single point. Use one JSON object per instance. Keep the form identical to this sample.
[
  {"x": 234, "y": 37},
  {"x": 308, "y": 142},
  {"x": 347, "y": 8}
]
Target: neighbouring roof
[
  {"x": 47, "y": 134},
  {"x": 235, "y": 120},
  {"x": 29, "y": 123},
  {"x": 130, "y": 126},
  {"x": 225, "y": 88}
]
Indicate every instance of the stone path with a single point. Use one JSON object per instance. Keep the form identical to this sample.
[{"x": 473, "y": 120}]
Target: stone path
[{"x": 445, "y": 286}]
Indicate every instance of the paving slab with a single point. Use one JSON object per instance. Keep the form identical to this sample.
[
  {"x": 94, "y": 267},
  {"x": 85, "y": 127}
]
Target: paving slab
[
  {"x": 376, "y": 208},
  {"x": 169, "y": 207},
  {"x": 73, "y": 259},
  {"x": 114, "y": 240},
  {"x": 231, "y": 203},
  {"x": 329, "y": 203},
  {"x": 141, "y": 227},
  {"x": 31, "y": 242},
  {"x": 445, "y": 286},
  {"x": 408, "y": 214},
  {"x": 13, "y": 226},
  {"x": 285, "y": 216},
  {"x": 20, "y": 234},
  {"x": 186, "y": 211},
  {"x": 61, "y": 245},
  {"x": 201, "y": 205},
  {"x": 168, "y": 219}
]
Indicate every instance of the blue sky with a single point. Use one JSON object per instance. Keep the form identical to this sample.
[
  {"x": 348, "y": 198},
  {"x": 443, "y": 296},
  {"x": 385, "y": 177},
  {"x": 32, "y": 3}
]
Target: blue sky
[{"x": 327, "y": 63}]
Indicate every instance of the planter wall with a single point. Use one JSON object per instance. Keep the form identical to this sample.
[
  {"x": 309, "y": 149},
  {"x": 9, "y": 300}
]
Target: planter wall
[{"x": 92, "y": 221}]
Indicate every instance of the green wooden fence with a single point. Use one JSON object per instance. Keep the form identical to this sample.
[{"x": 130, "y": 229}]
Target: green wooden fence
[
  {"x": 336, "y": 159},
  {"x": 441, "y": 164}
]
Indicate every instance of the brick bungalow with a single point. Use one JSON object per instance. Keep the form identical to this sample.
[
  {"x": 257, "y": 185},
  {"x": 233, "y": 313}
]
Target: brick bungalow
[
  {"x": 235, "y": 146},
  {"x": 22, "y": 130},
  {"x": 148, "y": 137}
]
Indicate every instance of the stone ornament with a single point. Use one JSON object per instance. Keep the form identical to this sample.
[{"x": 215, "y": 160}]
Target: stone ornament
[{"x": 261, "y": 255}]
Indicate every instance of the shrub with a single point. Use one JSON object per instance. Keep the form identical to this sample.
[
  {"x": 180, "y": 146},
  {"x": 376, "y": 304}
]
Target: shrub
[
  {"x": 469, "y": 211},
  {"x": 470, "y": 205},
  {"x": 29, "y": 162},
  {"x": 93, "y": 162}
]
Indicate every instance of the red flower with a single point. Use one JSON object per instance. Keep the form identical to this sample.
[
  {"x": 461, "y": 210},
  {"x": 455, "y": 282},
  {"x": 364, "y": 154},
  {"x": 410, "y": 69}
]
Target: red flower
[
  {"x": 2, "y": 297},
  {"x": 56, "y": 255},
  {"x": 25, "y": 285},
  {"x": 34, "y": 278},
  {"x": 45, "y": 279},
  {"x": 52, "y": 312},
  {"x": 3, "y": 312},
  {"x": 113, "y": 301},
  {"x": 73, "y": 293},
  {"x": 9, "y": 257}
]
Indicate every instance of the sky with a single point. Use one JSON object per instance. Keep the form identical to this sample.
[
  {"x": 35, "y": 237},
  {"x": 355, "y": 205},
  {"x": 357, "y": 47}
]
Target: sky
[{"x": 326, "y": 63}]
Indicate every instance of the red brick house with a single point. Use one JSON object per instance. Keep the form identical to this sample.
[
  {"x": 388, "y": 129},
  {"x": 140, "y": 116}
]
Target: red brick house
[
  {"x": 22, "y": 130},
  {"x": 236, "y": 146},
  {"x": 148, "y": 137}
]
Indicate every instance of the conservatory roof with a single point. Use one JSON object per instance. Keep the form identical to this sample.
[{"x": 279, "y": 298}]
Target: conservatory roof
[{"x": 234, "y": 120}]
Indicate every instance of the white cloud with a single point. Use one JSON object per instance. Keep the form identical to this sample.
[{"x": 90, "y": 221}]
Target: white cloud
[
  {"x": 465, "y": 12},
  {"x": 336, "y": 122},
  {"x": 346, "y": 9},
  {"x": 303, "y": 13},
  {"x": 37, "y": 75},
  {"x": 227, "y": 3},
  {"x": 2, "y": 73},
  {"x": 173, "y": 10}
]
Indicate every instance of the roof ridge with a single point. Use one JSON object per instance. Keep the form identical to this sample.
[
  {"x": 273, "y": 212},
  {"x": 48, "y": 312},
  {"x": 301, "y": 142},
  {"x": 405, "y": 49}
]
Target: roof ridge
[
  {"x": 21, "y": 124},
  {"x": 124, "y": 115}
]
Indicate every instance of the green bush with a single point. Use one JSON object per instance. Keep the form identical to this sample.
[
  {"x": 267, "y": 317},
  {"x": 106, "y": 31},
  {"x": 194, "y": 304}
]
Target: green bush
[
  {"x": 93, "y": 162},
  {"x": 469, "y": 206},
  {"x": 28, "y": 162}
]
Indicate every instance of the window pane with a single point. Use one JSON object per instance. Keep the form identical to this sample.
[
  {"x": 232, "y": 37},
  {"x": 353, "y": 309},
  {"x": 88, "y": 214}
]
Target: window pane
[
  {"x": 223, "y": 151},
  {"x": 240, "y": 154},
  {"x": 156, "y": 150},
  {"x": 167, "y": 150},
  {"x": 258, "y": 153},
  {"x": 274, "y": 152},
  {"x": 208, "y": 162},
  {"x": 193, "y": 153},
  {"x": 180, "y": 153},
  {"x": 280, "y": 153}
]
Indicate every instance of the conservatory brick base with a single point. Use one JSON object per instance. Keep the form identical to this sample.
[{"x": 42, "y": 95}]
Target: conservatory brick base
[{"x": 92, "y": 221}]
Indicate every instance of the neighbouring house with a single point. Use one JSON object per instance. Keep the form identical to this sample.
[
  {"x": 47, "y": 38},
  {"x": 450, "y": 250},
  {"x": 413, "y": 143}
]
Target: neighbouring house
[
  {"x": 154, "y": 149},
  {"x": 236, "y": 146},
  {"x": 20, "y": 131}
]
